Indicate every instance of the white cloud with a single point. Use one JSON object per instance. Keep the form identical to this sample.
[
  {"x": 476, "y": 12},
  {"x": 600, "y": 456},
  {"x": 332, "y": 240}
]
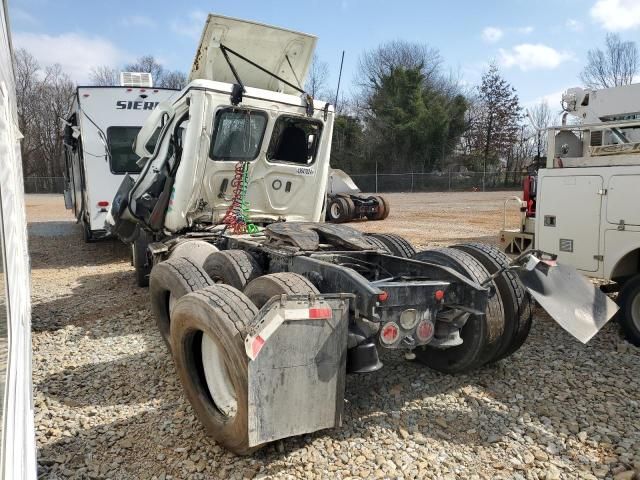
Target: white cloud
[
  {"x": 137, "y": 21},
  {"x": 76, "y": 53},
  {"x": 525, "y": 30},
  {"x": 574, "y": 25},
  {"x": 492, "y": 34},
  {"x": 616, "y": 15},
  {"x": 191, "y": 26},
  {"x": 528, "y": 56}
]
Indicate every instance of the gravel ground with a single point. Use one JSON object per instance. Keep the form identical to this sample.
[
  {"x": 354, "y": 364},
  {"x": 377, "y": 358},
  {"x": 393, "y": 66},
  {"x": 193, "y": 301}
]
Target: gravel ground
[{"x": 108, "y": 403}]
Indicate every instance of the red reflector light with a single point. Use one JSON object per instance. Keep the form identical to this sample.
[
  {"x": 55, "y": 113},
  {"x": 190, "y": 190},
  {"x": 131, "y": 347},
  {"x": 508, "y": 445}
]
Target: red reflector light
[
  {"x": 320, "y": 313},
  {"x": 439, "y": 294},
  {"x": 383, "y": 297},
  {"x": 390, "y": 333},
  {"x": 257, "y": 345},
  {"x": 425, "y": 330},
  {"x": 103, "y": 203},
  {"x": 142, "y": 90}
]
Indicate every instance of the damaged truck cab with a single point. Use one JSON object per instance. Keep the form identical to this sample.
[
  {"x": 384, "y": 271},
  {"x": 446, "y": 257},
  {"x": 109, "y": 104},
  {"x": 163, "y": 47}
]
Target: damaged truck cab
[{"x": 264, "y": 307}]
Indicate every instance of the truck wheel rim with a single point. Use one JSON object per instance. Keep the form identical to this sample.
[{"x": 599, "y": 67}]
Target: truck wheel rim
[
  {"x": 635, "y": 311},
  {"x": 335, "y": 210},
  {"x": 217, "y": 377}
]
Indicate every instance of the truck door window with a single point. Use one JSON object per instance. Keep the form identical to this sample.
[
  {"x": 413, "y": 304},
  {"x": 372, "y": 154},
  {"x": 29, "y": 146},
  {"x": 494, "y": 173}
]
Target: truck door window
[
  {"x": 120, "y": 141},
  {"x": 237, "y": 134},
  {"x": 294, "y": 140}
]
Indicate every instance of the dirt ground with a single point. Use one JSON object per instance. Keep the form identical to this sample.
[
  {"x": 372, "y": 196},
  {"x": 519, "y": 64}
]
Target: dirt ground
[{"x": 108, "y": 403}]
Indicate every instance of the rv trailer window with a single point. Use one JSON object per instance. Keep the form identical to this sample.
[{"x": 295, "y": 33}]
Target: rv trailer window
[
  {"x": 294, "y": 140},
  {"x": 237, "y": 134},
  {"x": 123, "y": 158}
]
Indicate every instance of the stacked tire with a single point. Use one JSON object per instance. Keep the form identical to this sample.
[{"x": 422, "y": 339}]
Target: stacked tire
[{"x": 507, "y": 320}]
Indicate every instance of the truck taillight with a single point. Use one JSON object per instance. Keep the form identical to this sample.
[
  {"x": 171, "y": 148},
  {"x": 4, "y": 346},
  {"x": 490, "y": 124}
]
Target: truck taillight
[
  {"x": 425, "y": 330},
  {"x": 439, "y": 294},
  {"x": 320, "y": 313},
  {"x": 383, "y": 297},
  {"x": 103, "y": 203},
  {"x": 390, "y": 333}
]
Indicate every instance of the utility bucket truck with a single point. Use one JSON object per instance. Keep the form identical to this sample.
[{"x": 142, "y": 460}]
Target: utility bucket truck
[
  {"x": 582, "y": 207},
  {"x": 264, "y": 307},
  {"x": 98, "y": 139}
]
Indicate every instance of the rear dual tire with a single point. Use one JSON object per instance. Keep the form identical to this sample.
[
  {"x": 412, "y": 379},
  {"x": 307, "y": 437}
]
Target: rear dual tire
[
  {"x": 392, "y": 243},
  {"x": 341, "y": 210},
  {"x": 480, "y": 335},
  {"x": 207, "y": 333},
  {"x": 516, "y": 301}
]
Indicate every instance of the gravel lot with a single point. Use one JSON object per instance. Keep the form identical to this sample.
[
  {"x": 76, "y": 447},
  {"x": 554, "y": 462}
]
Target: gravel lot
[{"x": 108, "y": 403}]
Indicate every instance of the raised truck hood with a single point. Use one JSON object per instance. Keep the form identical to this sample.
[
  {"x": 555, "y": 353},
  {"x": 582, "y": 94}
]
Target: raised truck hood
[{"x": 265, "y": 45}]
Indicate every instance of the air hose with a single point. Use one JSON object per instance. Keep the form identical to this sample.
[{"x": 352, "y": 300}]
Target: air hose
[{"x": 237, "y": 216}]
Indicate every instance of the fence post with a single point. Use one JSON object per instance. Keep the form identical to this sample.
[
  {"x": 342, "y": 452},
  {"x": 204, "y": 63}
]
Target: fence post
[
  {"x": 376, "y": 176},
  {"x": 449, "y": 177},
  {"x": 412, "y": 182}
]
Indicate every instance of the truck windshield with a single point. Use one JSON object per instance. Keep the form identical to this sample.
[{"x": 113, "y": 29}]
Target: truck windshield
[
  {"x": 237, "y": 134},
  {"x": 294, "y": 140},
  {"x": 123, "y": 158}
]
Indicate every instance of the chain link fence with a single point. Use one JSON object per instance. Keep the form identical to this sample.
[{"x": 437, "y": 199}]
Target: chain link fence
[
  {"x": 43, "y": 184},
  {"x": 438, "y": 182},
  {"x": 381, "y": 182}
]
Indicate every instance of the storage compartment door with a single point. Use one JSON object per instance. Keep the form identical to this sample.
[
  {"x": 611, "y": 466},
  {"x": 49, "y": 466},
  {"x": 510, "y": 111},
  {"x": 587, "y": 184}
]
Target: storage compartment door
[
  {"x": 622, "y": 203},
  {"x": 568, "y": 217}
]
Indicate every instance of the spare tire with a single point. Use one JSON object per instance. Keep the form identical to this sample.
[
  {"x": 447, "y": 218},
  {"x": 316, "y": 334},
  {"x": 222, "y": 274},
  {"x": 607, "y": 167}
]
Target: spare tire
[
  {"x": 233, "y": 267},
  {"x": 480, "y": 335},
  {"x": 515, "y": 298},
  {"x": 397, "y": 245},
  {"x": 262, "y": 289},
  {"x": 207, "y": 334},
  {"x": 169, "y": 281}
]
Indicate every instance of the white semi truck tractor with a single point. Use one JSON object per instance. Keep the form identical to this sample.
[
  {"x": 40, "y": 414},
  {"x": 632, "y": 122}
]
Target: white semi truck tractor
[
  {"x": 582, "y": 207},
  {"x": 263, "y": 306}
]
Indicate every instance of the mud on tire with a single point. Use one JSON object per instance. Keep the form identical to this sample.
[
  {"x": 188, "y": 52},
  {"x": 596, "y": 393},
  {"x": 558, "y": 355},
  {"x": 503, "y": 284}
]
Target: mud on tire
[
  {"x": 515, "y": 298},
  {"x": 481, "y": 336},
  {"x": 232, "y": 267},
  {"x": 223, "y": 314},
  {"x": 260, "y": 290},
  {"x": 170, "y": 280}
]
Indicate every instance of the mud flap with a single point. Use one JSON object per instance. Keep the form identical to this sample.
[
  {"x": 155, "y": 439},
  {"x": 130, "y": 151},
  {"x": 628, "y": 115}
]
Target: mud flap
[
  {"x": 297, "y": 363},
  {"x": 570, "y": 298}
]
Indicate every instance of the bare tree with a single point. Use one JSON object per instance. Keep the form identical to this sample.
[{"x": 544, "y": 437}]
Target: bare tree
[
  {"x": 616, "y": 65},
  {"x": 44, "y": 98},
  {"x": 376, "y": 65},
  {"x": 173, "y": 79},
  {"x": 104, "y": 75},
  {"x": 541, "y": 118},
  {"x": 317, "y": 78},
  {"x": 148, "y": 64}
]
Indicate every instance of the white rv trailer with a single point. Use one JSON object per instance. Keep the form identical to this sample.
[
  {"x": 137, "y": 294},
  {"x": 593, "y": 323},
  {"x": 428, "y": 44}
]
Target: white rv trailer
[
  {"x": 17, "y": 439},
  {"x": 99, "y": 137}
]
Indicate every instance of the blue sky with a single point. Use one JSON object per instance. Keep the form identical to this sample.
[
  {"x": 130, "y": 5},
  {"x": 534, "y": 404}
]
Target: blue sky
[{"x": 540, "y": 45}]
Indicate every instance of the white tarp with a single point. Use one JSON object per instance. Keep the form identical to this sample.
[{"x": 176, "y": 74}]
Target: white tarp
[{"x": 270, "y": 47}]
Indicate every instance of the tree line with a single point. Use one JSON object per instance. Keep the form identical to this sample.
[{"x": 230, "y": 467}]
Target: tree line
[{"x": 407, "y": 113}]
